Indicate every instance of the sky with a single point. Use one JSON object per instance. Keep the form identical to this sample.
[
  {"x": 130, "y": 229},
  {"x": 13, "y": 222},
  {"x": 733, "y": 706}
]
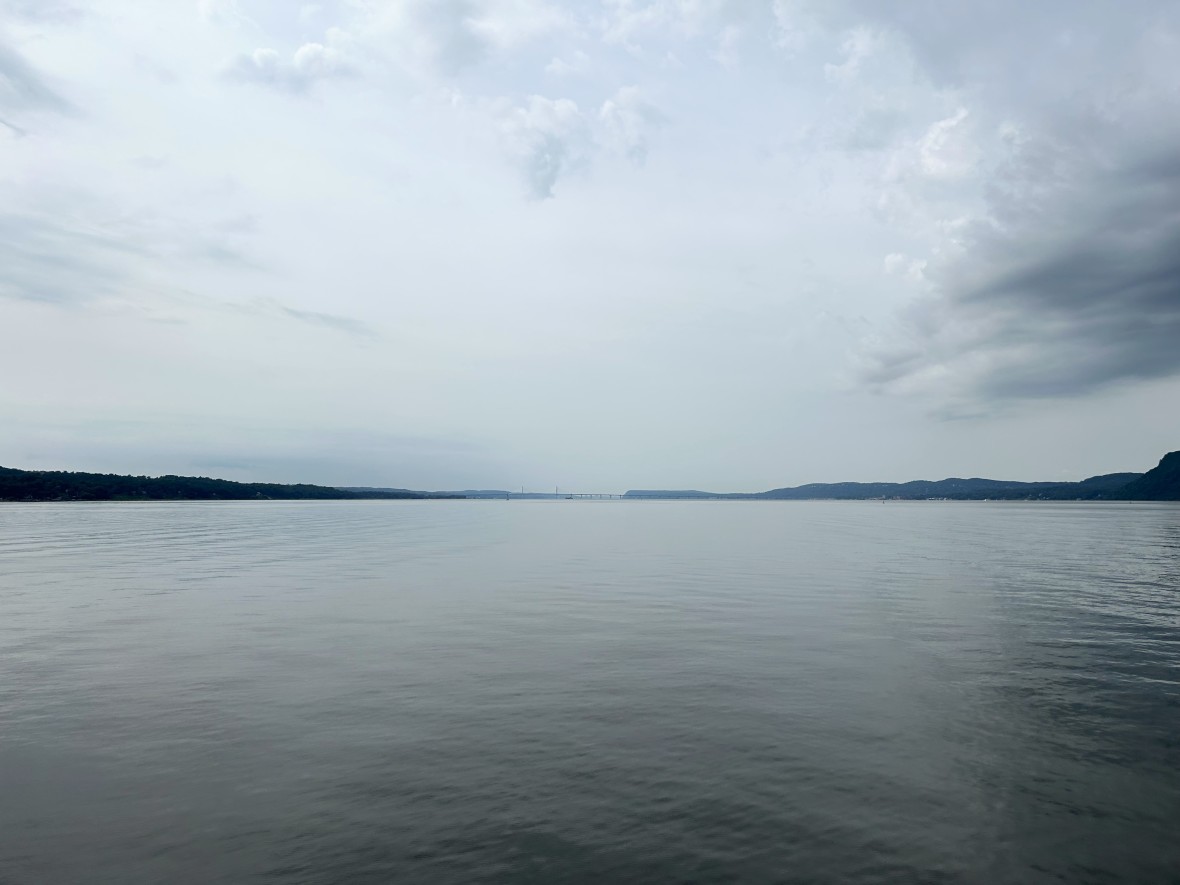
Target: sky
[{"x": 721, "y": 244}]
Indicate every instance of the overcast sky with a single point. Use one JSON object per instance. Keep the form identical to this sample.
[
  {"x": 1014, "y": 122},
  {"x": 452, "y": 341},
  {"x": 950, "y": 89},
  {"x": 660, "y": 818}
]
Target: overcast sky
[{"x": 602, "y": 245}]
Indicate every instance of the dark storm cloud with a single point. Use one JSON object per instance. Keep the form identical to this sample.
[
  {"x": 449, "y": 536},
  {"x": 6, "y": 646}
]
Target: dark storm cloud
[
  {"x": 1058, "y": 293},
  {"x": 1069, "y": 280},
  {"x": 990, "y": 45}
]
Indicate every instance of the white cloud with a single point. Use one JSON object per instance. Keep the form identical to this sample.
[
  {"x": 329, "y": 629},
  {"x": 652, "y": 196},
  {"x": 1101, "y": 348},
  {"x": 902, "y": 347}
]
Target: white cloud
[
  {"x": 222, "y": 12},
  {"x": 793, "y": 25},
  {"x": 858, "y": 46},
  {"x": 549, "y": 138},
  {"x": 311, "y": 62},
  {"x": 634, "y": 23},
  {"x": 898, "y": 264},
  {"x": 578, "y": 62},
  {"x": 429, "y": 37},
  {"x": 947, "y": 149},
  {"x": 627, "y": 122}
]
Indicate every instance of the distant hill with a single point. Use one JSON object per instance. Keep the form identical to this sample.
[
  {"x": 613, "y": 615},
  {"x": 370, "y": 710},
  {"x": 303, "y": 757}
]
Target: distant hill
[
  {"x": 975, "y": 488},
  {"x": 1111, "y": 486},
  {"x": 1161, "y": 483},
  {"x": 55, "y": 485}
]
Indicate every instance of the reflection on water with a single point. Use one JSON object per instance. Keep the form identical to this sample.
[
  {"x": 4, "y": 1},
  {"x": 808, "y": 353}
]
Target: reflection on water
[{"x": 589, "y": 691}]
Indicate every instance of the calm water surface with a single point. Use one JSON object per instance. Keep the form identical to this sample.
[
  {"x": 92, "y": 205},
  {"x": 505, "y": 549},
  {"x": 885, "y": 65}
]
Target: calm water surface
[{"x": 589, "y": 692}]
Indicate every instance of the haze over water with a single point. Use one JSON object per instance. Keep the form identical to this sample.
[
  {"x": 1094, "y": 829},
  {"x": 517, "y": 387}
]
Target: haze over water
[{"x": 321, "y": 692}]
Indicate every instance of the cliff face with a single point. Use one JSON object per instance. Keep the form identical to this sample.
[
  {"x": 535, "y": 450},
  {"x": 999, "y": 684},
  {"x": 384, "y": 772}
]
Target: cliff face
[{"x": 1161, "y": 483}]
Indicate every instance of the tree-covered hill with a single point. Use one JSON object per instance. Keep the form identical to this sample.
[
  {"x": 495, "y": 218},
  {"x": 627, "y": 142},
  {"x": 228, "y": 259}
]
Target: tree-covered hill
[
  {"x": 1110, "y": 486},
  {"x": 55, "y": 485},
  {"x": 1161, "y": 483}
]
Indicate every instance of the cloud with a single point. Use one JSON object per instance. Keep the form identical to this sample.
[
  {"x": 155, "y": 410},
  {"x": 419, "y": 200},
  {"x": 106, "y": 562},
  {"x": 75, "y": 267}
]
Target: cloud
[
  {"x": 578, "y": 63},
  {"x": 626, "y": 21},
  {"x": 872, "y": 129},
  {"x": 857, "y": 47},
  {"x": 226, "y": 12},
  {"x": 75, "y": 251},
  {"x": 792, "y": 24},
  {"x": 1054, "y": 262},
  {"x": 310, "y": 63},
  {"x": 52, "y": 11},
  {"x": 946, "y": 150},
  {"x": 76, "y": 265},
  {"x": 549, "y": 138},
  {"x": 1019, "y": 50},
  {"x": 446, "y": 35},
  {"x": 53, "y": 260},
  {"x": 348, "y": 325},
  {"x": 23, "y": 88},
  {"x": 984, "y": 187},
  {"x": 897, "y": 264},
  {"x": 1071, "y": 283},
  {"x": 627, "y": 120},
  {"x": 13, "y": 128},
  {"x": 429, "y": 37}
]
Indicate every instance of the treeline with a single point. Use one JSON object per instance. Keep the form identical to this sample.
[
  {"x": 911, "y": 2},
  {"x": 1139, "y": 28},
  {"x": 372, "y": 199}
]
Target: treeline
[
  {"x": 55, "y": 485},
  {"x": 1161, "y": 483},
  {"x": 1096, "y": 488}
]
